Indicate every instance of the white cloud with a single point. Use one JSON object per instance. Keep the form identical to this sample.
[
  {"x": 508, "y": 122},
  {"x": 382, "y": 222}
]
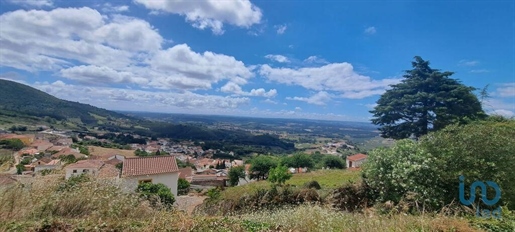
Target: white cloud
[
  {"x": 83, "y": 45},
  {"x": 320, "y": 98},
  {"x": 127, "y": 99},
  {"x": 100, "y": 75},
  {"x": 331, "y": 77},
  {"x": 502, "y": 112},
  {"x": 315, "y": 60},
  {"x": 208, "y": 67},
  {"x": 235, "y": 89},
  {"x": 278, "y": 58},
  {"x": 506, "y": 90},
  {"x": 281, "y": 29},
  {"x": 468, "y": 62},
  {"x": 210, "y": 13},
  {"x": 108, "y": 8},
  {"x": 479, "y": 71},
  {"x": 499, "y": 106},
  {"x": 370, "y": 30},
  {"x": 34, "y": 3},
  {"x": 39, "y": 40},
  {"x": 298, "y": 108}
]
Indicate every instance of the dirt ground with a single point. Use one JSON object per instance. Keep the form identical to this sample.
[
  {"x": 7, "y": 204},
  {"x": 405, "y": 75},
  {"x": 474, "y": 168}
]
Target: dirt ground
[{"x": 188, "y": 203}]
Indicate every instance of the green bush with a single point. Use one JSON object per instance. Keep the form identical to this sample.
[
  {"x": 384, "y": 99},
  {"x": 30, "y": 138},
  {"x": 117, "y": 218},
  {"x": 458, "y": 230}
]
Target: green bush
[
  {"x": 427, "y": 172},
  {"x": 183, "y": 186},
  {"x": 393, "y": 173},
  {"x": 279, "y": 175},
  {"x": 157, "y": 194},
  {"x": 331, "y": 161}
]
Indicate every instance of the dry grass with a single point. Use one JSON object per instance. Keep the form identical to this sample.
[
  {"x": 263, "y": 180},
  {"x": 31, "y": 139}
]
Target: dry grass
[
  {"x": 104, "y": 152},
  {"x": 48, "y": 204},
  {"x": 318, "y": 218}
]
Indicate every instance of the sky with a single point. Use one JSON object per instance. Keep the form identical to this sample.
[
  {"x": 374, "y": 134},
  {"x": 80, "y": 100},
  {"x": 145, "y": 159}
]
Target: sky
[{"x": 283, "y": 59}]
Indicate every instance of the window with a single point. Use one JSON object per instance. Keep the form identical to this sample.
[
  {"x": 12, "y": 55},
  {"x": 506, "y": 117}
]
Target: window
[
  {"x": 145, "y": 181},
  {"x": 85, "y": 170},
  {"x": 74, "y": 171}
]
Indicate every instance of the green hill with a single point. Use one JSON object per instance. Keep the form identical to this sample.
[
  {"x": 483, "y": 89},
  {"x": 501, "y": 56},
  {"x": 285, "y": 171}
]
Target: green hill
[
  {"x": 23, "y": 105},
  {"x": 16, "y": 98}
]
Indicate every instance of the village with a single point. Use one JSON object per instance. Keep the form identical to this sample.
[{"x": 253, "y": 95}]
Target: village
[{"x": 163, "y": 161}]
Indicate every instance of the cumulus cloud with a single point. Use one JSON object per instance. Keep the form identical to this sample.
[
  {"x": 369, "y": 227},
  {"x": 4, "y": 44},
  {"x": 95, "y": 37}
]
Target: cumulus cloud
[
  {"x": 278, "y": 58},
  {"x": 235, "y": 89},
  {"x": 338, "y": 77},
  {"x": 370, "y": 30},
  {"x": 320, "y": 98},
  {"x": 108, "y": 49},
  {"x": 180, "y": 60},
  {"x": 39, "y": 40},
  {"x": 210, "y": 13}
]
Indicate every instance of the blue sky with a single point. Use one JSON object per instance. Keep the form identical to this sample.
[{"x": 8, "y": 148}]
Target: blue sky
[{"x": 289, "y": 59}]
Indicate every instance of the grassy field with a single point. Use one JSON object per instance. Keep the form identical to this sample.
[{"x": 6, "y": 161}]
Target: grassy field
[
  {"x": 102, "y": 151},
  {"x": 43, "y": 205},
  {"x": 326, "y": 178}
]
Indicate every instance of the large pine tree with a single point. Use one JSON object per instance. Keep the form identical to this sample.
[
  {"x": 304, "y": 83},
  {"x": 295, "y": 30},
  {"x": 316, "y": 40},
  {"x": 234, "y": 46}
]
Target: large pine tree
[{"x": 425, "y": 100}]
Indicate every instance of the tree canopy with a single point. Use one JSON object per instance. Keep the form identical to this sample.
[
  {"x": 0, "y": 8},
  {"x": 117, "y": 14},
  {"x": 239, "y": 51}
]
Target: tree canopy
[{"x": 425, "y": 100}]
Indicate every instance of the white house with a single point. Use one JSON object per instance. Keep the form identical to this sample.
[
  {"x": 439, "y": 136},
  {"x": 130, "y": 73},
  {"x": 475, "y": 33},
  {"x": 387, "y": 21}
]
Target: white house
[
  {"x": 355, "y": 161},
  {"x": 91, "y": 167},
  {"x": 53, "y": 164},
  {"x": 157, "y": 169}
]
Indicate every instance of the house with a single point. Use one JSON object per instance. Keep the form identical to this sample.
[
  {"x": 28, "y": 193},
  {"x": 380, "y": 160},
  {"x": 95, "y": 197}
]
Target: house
[
  {"x": 156, "y": 169},
  {"x": 355, "y": 161},
  {"x": 68, "y": 151},
  {"x": 91, "y": 167},
  {"x": 51, "y": 165}
]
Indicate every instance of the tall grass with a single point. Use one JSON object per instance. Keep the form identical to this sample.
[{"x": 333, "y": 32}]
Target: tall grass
[{"x": 49, "y": 203}]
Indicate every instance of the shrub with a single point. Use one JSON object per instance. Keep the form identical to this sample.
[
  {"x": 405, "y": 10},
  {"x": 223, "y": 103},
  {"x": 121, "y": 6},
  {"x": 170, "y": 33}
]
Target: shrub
[
  {"x": 406, "y": 168},
  {"x": 279, "y": 175},
  {"x": 312, "y": 184},
  {"x": 157, "y": 194},
  {"x": 183, "y": 186},
  {"x": 331, "y": 161}
]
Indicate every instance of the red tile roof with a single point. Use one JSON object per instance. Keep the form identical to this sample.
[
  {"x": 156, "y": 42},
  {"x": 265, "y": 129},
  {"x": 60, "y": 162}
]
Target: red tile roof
[
  {"x": 357, "y": 157},
  {"x": 149, "y": 166},
  {"x": 86, "y": 164}
]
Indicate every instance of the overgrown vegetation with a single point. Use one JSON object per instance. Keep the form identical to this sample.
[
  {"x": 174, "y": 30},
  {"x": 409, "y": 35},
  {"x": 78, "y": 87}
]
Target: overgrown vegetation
[{"x": 427, "y": 172}]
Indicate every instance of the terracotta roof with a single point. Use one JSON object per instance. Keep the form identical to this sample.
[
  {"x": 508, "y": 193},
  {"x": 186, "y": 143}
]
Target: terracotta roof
[
  {"x": 86, "y": 164},
  {"x": 108, "y": 171},
  {"x": 149, "y": 165},
  {"x": 185, "y": 172},
  {"x": 357, "y": 157}
]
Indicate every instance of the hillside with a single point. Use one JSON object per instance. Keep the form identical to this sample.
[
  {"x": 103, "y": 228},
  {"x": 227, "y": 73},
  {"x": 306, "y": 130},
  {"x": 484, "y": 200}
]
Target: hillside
[
  {"x": 16, "y": 98},
  {"x": 22, "y": 104}
]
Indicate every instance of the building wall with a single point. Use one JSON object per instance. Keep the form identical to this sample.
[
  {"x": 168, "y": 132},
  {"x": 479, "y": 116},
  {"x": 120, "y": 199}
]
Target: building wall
[
  {"x": 168, "y": 179},
  {"x": 355, "y": 164},
  {"x": 70, "y": 173},
  {"x": 45, "y": 167}
]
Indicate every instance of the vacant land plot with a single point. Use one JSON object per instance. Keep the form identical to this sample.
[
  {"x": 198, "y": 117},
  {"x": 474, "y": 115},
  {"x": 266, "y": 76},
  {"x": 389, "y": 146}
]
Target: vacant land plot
[{"x": 102, "y": 151}]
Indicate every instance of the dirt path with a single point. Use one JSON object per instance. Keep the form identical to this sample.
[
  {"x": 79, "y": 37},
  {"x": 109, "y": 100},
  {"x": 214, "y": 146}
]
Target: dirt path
[{"x": 188, "y": 203}]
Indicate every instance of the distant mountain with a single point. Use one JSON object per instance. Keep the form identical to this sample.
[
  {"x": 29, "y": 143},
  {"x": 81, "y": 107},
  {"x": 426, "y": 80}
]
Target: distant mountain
[{"x": 20, "y": 98}]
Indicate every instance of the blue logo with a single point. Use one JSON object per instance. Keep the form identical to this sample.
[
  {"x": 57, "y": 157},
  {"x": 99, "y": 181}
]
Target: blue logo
[{"x": 489, "y": 202}]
